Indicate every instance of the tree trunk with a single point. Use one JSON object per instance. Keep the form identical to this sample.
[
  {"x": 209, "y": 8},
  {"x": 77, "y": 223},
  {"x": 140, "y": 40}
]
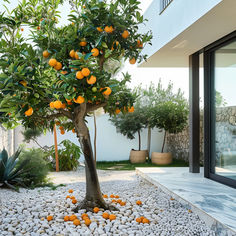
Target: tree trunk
[
  {"x": 163, "y": 145},
  {"x": 95, "y": 137},
  {"x": 139, "y": 141},
  {"x": 93, "y": 196},
  {"x": 149, "y": 141}
]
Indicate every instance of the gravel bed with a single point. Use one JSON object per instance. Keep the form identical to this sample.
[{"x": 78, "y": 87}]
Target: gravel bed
[{"x": 25, "y": 213}]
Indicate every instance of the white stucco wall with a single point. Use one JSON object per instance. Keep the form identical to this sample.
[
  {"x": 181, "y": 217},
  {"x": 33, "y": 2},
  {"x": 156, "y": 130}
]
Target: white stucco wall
[
  {"x": 176, "y": 18},
  {"x": 111, "y": 146}
]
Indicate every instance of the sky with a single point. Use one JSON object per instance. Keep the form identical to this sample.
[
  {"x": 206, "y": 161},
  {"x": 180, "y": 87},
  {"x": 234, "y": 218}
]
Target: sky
[{"x": 179, "y": 76}]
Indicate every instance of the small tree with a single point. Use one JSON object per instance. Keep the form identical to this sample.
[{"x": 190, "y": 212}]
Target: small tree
[
  {"x": 130, "y": 124},
  {"x": 170, "y": 116},
  {"x": 61, "y": 73},
  {"x": 151, "y": 97}
]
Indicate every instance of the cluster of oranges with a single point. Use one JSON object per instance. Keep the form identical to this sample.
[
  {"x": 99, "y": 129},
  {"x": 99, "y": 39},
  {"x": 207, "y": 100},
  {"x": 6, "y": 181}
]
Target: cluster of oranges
[
  {"x": 62, "y": 130},
  {"x": 105, "y": 215},
  {"x": 130, "y": 109},
  {"x": 115, "y": 199},
  {"x": 55, "y": 64},
  {"x": 73, "y": 199},
  {"x": 57, "y": 104},
  {"x": 125, "y": 35},
  {"x": 76, "y": 221},
  {"x": 143, "y": 220}
]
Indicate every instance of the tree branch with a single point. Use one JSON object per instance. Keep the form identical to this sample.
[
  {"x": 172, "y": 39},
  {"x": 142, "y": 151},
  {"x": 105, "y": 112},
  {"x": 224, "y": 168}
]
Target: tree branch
[
  {"x": 50, "y": 117},
  {"x": 102, "y": 60},
  {"x": 67, "y": 114}
]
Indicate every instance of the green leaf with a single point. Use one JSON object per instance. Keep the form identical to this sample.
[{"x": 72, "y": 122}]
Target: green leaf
[
  {"x": 104, "y": 45},
  {"x": 88, "y": 55}
]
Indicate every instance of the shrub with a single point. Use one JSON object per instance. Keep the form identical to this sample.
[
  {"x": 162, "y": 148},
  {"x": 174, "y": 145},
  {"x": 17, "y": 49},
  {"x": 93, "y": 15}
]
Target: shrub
[
  {"x": 36, "y": 168},
  {"x": 68, "y": 154}
]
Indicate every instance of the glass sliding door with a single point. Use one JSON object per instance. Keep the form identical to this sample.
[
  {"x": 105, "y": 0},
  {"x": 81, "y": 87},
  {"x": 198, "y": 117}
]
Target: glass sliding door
[{"x": 223, "y": 112}]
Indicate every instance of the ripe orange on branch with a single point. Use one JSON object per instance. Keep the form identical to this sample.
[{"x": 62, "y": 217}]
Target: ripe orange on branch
[
  {"x": 125, "y": 34},
  {"x": 68, "y": 100},
  {"x": 117, "y": 111},
  {"x": 57, "y": 104},
  {"x": 99, "y": 29},
  {"x": 132, "y": 61},
  {"x": 76, "y": 56},
  {"x": 72, "y": 53},
  {"x": 85, "y": 71},
  {"x": 91, "y": 80},
  {"x": 51, "y": 105},
  {"x": 46, "y": 54},
  {"x": 79, "y": 75},
  {"x": 139, "y": 44},
  {"x": 29, "y": 112},
  {"x": 107, "y": 92},
  {"x": 79, "y": 100},
  {"x": 109, "y": 29},
  {"x": 58, "y": 66},
  {"x": 23, "y": 82},
  {"x": 63, "y": 106},
  {"x": 95, "y": 52},
  {"x": 52, "y": 62},
  {"x": 83, "y": 43},
  {"x": 131, "y": 109}
]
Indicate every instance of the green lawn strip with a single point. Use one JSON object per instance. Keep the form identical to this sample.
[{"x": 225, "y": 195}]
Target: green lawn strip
[{"x": 126, "y": 165}]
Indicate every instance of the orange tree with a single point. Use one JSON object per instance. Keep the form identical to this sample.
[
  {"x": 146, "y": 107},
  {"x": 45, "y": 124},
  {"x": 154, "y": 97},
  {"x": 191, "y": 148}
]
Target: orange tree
[{"x": 58, "y": 74}]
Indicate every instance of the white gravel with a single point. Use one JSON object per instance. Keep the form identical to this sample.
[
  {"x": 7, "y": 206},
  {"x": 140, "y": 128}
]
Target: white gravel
[{"x": 23, "y": 213}]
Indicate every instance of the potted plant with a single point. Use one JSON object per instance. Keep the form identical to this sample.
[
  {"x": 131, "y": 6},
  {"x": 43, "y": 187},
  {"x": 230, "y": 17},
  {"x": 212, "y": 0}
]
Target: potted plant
[
  {"x": 170, "y": 116},
  {"x": 129, "y": 124}
]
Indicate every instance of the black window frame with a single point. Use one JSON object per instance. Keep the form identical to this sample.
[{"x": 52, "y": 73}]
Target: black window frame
[{"x": 209, "y": 110}]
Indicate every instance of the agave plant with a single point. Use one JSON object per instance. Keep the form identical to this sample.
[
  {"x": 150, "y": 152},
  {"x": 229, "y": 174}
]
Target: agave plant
[{"x": 11, "y": 175}]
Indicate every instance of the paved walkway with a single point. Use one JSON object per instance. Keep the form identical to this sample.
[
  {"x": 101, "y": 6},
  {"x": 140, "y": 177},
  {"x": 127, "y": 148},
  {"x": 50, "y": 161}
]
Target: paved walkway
[
  {"x": 67, "y": 177},
  {"x": 215, "y": 203}
]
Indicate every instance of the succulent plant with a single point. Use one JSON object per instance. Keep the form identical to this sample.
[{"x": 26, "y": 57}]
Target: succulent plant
[{"x": 10, "y": 175}]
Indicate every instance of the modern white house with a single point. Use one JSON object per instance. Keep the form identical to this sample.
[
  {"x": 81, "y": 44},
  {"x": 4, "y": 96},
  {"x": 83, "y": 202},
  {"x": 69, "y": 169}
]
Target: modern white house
[{"x": 195, "y": 34}]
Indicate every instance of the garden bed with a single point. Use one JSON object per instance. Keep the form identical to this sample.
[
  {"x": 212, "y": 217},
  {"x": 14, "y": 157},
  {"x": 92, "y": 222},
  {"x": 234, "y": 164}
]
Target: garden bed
[{"x": 26, "y": 212}]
